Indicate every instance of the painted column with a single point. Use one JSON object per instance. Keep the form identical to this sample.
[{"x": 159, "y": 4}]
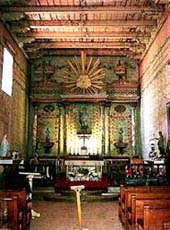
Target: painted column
[
  {"x": 108, "y": 105},
  {"x": 133, "y": 107},
  {"x": 65, "y": 129},
  {"x": 30, "y": 117},
  {"x": 30, "y": 149},
  {"x": 59, "y": 129},
  {"x": 102, "y": 112},
  {"x": 35, "y": 128}
]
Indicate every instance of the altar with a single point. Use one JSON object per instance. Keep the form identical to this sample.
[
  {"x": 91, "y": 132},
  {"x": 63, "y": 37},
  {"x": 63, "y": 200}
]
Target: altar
[{"x": 84, "y": 170}]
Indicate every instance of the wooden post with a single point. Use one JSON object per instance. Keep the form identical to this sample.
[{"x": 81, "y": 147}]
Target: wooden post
[
  {"x": 78, "y": 189},
  {"x": 78, "y": 208}
]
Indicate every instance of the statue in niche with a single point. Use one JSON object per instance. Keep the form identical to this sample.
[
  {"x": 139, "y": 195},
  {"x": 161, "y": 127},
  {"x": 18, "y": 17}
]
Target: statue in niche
[
  {"x": 4, "y": 148},
  {"x": 48, "y": 144},
  {"x": 161, "y": 144},
  {"x": 120, "y": 138},
  {"x": 84, "y": 118},
  {"x": 168, "y": 147},
  {"x": 153, "y": 153},
  {"x": 120, "y": 145},
  {"x": 47, "y": 135}
]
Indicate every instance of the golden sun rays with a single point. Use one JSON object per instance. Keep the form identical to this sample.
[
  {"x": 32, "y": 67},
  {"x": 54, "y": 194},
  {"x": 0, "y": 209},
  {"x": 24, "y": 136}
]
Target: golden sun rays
[{"x": 84, "y": 76}]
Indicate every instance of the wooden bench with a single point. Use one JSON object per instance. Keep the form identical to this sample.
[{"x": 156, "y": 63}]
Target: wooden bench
[
  {"x": 137, "y": 206},
  {"x": 23, "y": 208},
  {"x": 145, "y": 195},
  {"x": 166, "y": 226},
  {"x": 153, "y": 218},
  {"x": 8, "y": 213},
  {"x": 125, "y": 197}
]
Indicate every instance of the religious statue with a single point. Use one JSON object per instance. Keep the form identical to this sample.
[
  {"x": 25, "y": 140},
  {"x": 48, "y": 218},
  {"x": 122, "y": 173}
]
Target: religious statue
[
  {"x": 167, "y": 159},
  {"x": 84, "y": 118},
  {"x": 153, "y": 153},
  {"x": 4, "y": 148},
  {"x": 48, "y": 144},
  {"x": 120, "y": 138},
  {"x": 168, "y": 147},
  {"x": 120, "y": 145},
  {"x": 161, "y": 144},
  {"x": 47, "y": 134}
]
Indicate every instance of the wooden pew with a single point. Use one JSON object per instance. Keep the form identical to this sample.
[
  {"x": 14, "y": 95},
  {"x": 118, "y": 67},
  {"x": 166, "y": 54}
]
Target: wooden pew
[
  {"x": 23, "y": 213},
  {"x": 137, "y": 206},
  {"x": 120, "y": 202},
  {"x": 144, "y": 195},
  {"x": 21, "y": 204},
  {"x": 125, "y": 198},
  {"x": 124, "y": 189},
  {"x": 8, "y": 213},
  {"x": 153, "y": 218},
  {"x": 166, "y": 226}
]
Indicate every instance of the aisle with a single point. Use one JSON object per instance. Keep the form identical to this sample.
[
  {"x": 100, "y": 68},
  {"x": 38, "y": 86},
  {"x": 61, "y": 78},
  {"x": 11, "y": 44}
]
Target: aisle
[{"x": 63, "y": 216}]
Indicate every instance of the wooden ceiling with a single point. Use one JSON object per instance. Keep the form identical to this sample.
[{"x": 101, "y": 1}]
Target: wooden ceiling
[{"x": 100, "y": 27}]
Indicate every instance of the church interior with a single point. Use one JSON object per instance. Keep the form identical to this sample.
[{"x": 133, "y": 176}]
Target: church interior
[{"x": 85, "y": 112}]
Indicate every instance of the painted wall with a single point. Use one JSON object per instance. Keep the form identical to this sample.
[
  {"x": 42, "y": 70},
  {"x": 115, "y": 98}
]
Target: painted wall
[
  {"x": 155, "y": 88},
  {"x": 14, "y": 109},
  {"x": 49, "y": 87},
  {"x": 59, "y": 127},
  {"x": 46, "y": 89},
  {"x": 48, "y": 74}
]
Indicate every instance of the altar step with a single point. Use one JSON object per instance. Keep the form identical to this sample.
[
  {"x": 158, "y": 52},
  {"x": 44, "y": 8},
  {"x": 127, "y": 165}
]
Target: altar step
[{"x": 86, "y": 196}]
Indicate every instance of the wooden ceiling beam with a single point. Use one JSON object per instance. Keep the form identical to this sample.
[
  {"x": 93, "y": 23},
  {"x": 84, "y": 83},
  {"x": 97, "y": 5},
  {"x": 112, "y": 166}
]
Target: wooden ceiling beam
[
  {"x": 82, "y": 44},
  {"x": 83, "y": 9},
  {"x": 89, "y": 51},
  {"x": 120, "y": 27},
  {"x": 100, "y": 23},
  {"x": 124, "y": 52},
  {"x": 96, "y": 35}
]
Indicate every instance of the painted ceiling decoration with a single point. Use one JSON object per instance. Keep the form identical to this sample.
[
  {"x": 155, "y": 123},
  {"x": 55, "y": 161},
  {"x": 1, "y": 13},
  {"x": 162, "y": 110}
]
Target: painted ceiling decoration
[
  {"x": 111, "y": 27},
  {"x": 84, "y": 75}
]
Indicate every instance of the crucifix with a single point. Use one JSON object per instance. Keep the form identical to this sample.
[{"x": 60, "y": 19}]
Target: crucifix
[{"x": 84, "y": 147}]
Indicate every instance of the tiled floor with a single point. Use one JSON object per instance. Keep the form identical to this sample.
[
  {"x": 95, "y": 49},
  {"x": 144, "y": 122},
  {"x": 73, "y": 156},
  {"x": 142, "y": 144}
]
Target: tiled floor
[{"x": 63, "y": 216}]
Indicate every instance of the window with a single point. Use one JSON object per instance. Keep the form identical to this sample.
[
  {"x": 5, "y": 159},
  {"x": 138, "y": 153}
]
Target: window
[{"x": 7, "y": 72}]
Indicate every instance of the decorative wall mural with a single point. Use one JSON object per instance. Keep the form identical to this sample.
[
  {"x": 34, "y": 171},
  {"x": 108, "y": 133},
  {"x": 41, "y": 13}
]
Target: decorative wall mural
[
  {"x": 121, "y": 128},
  {"x": 47, "y": 129},
  {"x": 49, "y": 108},
  {"x": 120, "y": 108},
  {"x": 120, "y": 71},
  {"x": 74, "y": 83},
  {"x": 83, "y": 128},
  {"x": 84, "y": 76},
  {"x": 86, "y": 134}
]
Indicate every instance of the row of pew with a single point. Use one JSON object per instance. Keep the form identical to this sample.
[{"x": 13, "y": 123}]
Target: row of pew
[
  {"x": 15, "y": 210},
  {"x": 144, "y": 207}
]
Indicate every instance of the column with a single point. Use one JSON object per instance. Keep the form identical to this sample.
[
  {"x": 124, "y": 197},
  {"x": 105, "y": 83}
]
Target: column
[
  {"x": 35, "y": 140},
  {"x": 133, "y": 107},
  {"x": 108, "y": 105},
  {"x": 102, "y": 112},
  {"x": 59, "y": 129},
  {"x": 65, "y": 129}
]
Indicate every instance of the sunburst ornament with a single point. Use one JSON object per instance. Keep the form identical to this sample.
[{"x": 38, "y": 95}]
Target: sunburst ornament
[{"x": 84, "y": 76}]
